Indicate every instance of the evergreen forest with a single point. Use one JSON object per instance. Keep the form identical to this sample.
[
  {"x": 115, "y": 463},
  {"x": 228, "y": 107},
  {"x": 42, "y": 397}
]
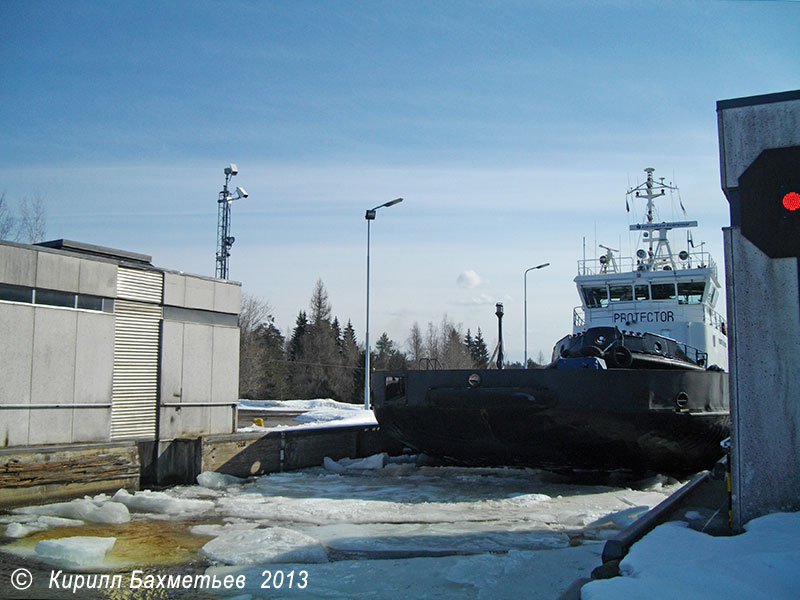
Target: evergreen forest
[{"x": 322, "y": 358}]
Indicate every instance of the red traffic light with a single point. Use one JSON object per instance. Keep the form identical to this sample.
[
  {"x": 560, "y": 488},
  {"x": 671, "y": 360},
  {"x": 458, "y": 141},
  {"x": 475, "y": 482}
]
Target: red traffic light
[{"x": 791, "y": 201}]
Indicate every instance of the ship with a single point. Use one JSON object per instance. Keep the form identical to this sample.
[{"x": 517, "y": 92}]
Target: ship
[{"x": 640, "y": 385}]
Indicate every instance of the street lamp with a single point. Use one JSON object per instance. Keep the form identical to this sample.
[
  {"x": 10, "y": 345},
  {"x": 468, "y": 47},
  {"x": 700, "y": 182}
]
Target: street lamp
[
  {"x": 224, "y": 238},
  {"x": 525, "y": 286},
  {"x": 370, "y": 216}
]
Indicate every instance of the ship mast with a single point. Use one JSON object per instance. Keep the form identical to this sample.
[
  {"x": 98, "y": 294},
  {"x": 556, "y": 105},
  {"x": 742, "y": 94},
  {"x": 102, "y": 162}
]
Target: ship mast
[{"x": 659, "y": 250}]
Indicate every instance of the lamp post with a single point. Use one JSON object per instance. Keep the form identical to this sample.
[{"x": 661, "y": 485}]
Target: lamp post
[
  {"x": 224, "y": 238},
  {"x": 370, "y": 216},
  {"x": 525, "y": 286},
  {"x": 499, "y": 313}
]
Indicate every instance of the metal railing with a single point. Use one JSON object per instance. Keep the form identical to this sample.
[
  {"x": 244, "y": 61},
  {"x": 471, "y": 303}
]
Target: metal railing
[{"x": 626, "y": 264}]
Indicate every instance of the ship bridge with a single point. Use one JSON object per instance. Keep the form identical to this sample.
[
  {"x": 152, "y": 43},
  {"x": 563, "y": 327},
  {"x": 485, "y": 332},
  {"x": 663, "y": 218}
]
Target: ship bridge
[{"x": 676, "y": 303}]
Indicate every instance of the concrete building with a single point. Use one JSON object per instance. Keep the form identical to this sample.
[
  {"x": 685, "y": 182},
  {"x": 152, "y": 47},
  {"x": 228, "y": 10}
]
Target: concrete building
[{"x": 99, "y": 346}]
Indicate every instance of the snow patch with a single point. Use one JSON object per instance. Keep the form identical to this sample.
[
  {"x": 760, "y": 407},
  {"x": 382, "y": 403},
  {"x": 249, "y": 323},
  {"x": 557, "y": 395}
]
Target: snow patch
[{"x": 673, "y": 561}]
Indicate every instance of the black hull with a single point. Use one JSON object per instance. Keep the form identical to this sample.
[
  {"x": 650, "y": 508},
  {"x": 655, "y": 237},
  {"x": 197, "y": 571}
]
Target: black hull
[{"x": 640, "y": 420}]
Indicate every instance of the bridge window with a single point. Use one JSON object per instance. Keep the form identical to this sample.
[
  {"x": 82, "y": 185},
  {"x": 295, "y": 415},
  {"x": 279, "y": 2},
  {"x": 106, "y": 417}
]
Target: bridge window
[
  {"x": 663, "y": 291},
  {"x": 621, "y": 293},
  {"x": 691, "y": 292},
  {"x": 596, "y": 297},
  {"x": 641, "y": 292}
]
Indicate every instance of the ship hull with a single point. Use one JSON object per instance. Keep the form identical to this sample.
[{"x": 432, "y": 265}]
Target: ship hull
[{"x": 643, "y": 420}]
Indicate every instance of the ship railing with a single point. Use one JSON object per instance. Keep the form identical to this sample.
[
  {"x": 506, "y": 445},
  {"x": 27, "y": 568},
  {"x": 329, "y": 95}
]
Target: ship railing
[
  {"x": 578, "y": 317},
  {"x": 715, "y": 320},
  {"x": 695, "y": 354},
  {"x": 625, "y": 264},
  {"x": 601, "y": 265},
  {"x": 429, "y": 364}
]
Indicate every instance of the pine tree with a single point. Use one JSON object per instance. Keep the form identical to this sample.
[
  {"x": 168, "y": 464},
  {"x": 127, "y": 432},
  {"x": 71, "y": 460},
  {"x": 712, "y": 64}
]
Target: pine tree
[
  {"x": 480, "y": 353},
  {"x": 298, "y": 335},
  {"x": 352, "y": 372}
]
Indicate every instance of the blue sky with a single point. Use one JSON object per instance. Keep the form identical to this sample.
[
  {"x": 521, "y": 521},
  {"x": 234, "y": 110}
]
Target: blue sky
[{"x": 512, "y": 130}]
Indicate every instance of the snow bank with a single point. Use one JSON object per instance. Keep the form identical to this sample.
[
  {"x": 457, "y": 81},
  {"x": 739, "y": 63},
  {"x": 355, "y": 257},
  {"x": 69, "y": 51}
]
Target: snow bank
[
  {"x": 78, "y": 551},
  {"x": 673, "y": 561},
  {"x": 264, "y": 546},
  {"x": 82, "y": 510},
  {"x": 315, "y": 413},
  {"x": 161, "y": 503},
  {"x": 298, "y": 405}
]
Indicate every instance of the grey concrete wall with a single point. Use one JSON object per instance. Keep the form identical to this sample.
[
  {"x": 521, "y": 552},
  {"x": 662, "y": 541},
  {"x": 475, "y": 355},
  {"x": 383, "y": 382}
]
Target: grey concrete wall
[
  {"x": 200, "y": 359},
  {"x": 200, "y": 379},
  {"x": 764, "y": 317},
  {"x": 59, "y": 357},
  {"x": 37, "y": 267},
  {"x": 745, "y": 131},
  {"x": 192, "y": 291},
  {"x": 57, "y": 361}
]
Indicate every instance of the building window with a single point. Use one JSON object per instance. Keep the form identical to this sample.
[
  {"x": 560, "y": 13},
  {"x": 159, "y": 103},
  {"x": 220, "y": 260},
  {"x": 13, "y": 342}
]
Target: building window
[
  {"x": 15, "y": 293},
  {"x": 19, "y": 293},
  {"x": 54, "y": 298}
]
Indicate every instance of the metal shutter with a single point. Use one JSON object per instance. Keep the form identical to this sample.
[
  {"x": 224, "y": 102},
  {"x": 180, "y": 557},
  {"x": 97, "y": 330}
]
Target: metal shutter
[
  {"x": 135, "y": 284},
  {"x": 136, "y": 350}
]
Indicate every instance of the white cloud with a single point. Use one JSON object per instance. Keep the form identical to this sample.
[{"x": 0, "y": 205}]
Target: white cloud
[{"x": 469, "y": 279}]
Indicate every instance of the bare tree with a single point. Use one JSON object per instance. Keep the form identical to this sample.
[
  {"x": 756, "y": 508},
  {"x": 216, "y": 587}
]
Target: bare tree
[
  {"x": 415, "y": 345},
  {"x": 33, "y": 223},
  {"x": 7, "y": 221}
]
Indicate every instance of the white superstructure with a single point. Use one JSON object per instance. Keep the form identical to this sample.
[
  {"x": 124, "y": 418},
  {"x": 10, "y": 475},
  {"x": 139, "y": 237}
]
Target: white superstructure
[{"x": 659, "y": 291}]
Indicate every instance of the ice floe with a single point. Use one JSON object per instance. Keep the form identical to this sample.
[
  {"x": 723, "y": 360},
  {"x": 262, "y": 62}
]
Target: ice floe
[
  {"x": 82, "y": 509},
  {"x": 214, "y": 480},
  {"x": 77, "y": 551},
  {"x": 161, "y": 503},
  {"x": 264, "y": 546}
]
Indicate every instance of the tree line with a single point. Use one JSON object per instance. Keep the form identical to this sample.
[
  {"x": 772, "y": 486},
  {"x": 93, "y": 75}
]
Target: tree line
[
  {"x": 26, "y": 224},
  {"x": 322, "y": 359}
]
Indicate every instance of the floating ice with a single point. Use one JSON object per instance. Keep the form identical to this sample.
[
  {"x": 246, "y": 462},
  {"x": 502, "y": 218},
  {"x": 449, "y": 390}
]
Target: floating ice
[
  {"x": 161, "y": 503},
  {"x": 213, "y": 530},
  {"x": 370, "y": 463},
  {"x": 214, "y": 480},
  {"x": 620, "y": 519},
  {"x": 274, "y": 545},
  {"x": 413, "y": 540},
  {"x": 28, "y": 524},
  {"x": 18, "y": 530},
  {"x": 78, "y": 551},
  {"x": 82, "y": 509}
]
